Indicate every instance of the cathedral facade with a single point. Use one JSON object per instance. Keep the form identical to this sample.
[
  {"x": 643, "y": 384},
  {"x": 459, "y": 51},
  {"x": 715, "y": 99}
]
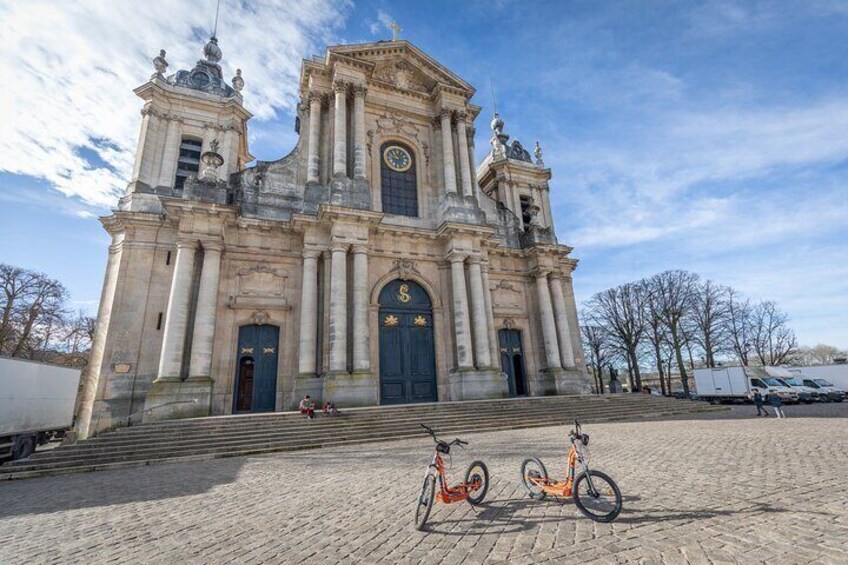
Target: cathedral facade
[{"x": 374, "y": 264}]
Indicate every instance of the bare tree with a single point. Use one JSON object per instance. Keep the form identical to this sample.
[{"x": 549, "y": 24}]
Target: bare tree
[
  {"x": 738, "y": 326},
  {"x": 620, "y": 310},
  {"x": 674, "y": 291},
  {"x": 773, "y": 340},
  {"x": 707, "y": 319},
  {"x": 820, "y": 354},
  {"x": 655, "y": 332},
  {"x": 596, "y": 342}
]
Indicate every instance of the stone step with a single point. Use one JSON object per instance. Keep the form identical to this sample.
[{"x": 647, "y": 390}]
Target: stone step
[
  {"x": 226, "y": 436},
  {"x": 92, "y": 465},
  {"x": 321, "y": 422},
  {"x": 288, "y": 418},
  {"x": 286, "y": 442}
]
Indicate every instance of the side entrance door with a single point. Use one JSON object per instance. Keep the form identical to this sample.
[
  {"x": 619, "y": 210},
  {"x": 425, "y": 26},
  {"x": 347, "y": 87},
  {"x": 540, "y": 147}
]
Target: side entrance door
[
  {"x": 512, "y": 361},
  {"x": 256, "y": 369},
  {"x": 407, "y": 351}
]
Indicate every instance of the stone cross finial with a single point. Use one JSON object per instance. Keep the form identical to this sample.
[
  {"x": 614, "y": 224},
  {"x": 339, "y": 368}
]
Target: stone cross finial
[{"x": 396, "y": 29}]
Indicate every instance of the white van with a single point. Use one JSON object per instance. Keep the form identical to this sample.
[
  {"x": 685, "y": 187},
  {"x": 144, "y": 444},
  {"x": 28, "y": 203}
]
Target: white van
[
  {"x": 739, "y": 384},
  {"x": 806, "y": 394}
]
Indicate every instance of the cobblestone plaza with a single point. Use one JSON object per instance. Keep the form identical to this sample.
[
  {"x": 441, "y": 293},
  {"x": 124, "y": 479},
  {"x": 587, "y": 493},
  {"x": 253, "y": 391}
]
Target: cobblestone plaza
[{"x": 720, "y": 489}]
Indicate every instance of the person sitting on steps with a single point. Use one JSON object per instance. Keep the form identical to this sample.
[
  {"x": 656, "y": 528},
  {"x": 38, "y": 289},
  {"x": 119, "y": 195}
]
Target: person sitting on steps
[
  {"x": 307, "y": 407},
  {"x": 330, "y": 409}
]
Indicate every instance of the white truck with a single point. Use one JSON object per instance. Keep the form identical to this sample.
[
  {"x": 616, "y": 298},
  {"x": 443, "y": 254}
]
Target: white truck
[
  {"x": 738, "y": 384},
  {"x": 36, "y": 402}
]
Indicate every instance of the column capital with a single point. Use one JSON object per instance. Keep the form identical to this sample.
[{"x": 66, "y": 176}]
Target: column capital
[
  {"x": 461, "y": 118},
  {"x": 445, "y": 114},
  {"x": 475, "y": 260},
  {"x": 455, "y": 257},
  {"x": 318, "y": 97},
  {"x": 311, "y": 253},
  {"x": 212, "y": 245},
  {"x": 338, "y": 246},
  {"x": 359, "y": 90},
  {"x": 340, "y": 86},
  {"x": 186, "y": 243},
  {"x": 358, "y": 248},
  {"x": 541, "y": 273},
  {"x": 555, "y": 276}
]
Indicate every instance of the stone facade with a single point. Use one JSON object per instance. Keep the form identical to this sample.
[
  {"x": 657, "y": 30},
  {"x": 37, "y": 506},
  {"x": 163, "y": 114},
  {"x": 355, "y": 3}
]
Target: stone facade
[{"x": 211, "y": 259}]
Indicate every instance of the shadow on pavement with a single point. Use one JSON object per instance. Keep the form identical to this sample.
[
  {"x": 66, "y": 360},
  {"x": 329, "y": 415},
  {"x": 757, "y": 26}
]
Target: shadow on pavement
[{"x": 112, "y": 487}]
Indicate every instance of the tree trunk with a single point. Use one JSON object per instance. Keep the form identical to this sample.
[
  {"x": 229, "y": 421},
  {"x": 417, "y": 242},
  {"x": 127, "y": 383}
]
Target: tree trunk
[
  {"x": 658, "y": 355},
  {"x": 678, "y": 352}
]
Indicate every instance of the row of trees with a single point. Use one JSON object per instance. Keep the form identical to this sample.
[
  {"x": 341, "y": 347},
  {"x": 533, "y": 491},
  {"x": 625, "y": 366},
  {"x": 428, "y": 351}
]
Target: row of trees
[
  {"x": 666, "y": 322},
  {"x": 36, "y": 322}
]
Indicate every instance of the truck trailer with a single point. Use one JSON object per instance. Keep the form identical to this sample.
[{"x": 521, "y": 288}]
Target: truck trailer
[
  {"x": 738, "y": 384},
  {"x": 36, "y": 403}
]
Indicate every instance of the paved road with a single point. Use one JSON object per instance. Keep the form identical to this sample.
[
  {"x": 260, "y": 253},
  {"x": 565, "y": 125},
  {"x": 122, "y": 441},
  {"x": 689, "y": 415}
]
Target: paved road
[{"x": 709, "y": 490}]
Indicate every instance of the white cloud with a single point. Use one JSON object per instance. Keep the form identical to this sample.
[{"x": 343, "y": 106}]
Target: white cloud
[
  {"x": 71, "y": 68},
  {"x": 384, "y": 20}
]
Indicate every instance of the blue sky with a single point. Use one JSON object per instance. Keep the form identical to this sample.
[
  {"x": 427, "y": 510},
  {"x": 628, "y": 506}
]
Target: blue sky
[{"x": 708, "y": 136}]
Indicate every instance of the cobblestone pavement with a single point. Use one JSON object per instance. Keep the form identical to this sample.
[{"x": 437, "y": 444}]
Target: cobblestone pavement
[{"x": 709, "y": 490}]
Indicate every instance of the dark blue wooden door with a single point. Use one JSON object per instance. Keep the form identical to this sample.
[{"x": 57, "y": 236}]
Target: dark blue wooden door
[
  {"x": 407, "y": 352},
  {"x": 256, "y": 368},
  {"x": 512, "y": 361}
]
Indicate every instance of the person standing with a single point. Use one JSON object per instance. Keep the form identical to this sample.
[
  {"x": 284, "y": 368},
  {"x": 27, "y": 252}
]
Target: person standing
[
  {"x": 776, "y": 403},
  {"x": 758, "y": 402}
]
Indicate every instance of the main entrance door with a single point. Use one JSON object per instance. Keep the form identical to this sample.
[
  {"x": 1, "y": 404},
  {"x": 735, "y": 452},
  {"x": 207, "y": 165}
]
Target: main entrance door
[
  {"x": 407, "y": 353},
  {"x": 512, "y": 361},
  {"x": 256, "y": 369}
]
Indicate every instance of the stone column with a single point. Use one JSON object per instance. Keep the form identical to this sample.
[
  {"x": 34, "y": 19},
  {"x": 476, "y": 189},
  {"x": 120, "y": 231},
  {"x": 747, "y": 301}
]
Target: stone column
[
  {"x": 482, "y": 352},
  {"x": 464, "y": 163},
  {"x": 447, "y": 152},
  {"x": 91, "y": 374},
  {"x": 200, "y": 365},
  {"x": 308, "y": 313},
  {"x": 338, "y": 309},
  {"x": 170, "y": 153},
  {"x": 361, "y": 334},
  {"x": 563, "y": 331},
  {"x": 546, "y": 314},
  {"x": 464, "y": 357},
  {"x": 176, "y": 317},
  {"x": 494, "y": 350},
  {"x": 359, "y": 132},
  {"x": 340, "y": 131},
  {"x": 313, "y": 160}
]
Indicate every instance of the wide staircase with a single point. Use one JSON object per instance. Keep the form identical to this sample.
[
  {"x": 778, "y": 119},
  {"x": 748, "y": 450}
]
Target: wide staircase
[{"x": 231, "y": 436}]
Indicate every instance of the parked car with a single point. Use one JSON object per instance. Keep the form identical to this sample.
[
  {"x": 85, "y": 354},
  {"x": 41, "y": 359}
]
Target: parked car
[
  {"x": 806, "y": 394},
  {"x": 826, "y": 388}
]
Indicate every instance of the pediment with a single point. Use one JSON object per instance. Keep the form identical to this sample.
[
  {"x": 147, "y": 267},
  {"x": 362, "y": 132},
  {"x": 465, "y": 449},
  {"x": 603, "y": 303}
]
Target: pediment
[{"x": 402, "y": 65}]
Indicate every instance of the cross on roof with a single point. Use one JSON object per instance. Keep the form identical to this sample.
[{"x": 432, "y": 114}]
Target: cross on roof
[{"x": 395, "y": 30}]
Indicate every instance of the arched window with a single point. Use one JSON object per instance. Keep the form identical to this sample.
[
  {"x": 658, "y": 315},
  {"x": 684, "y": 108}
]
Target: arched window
[
  {"x": 188, "y": 163},
  {"x": 397, "y": 179}
]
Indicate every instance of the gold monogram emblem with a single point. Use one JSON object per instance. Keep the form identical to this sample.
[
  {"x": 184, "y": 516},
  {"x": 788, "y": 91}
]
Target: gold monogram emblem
[
  {"x": 391, "y": 320},
  {"x": 420, "y": 321},
  {"x": 403, "y": 293},
  {"x": 247, "y": 351},
  {"x": 268, "y": 350}
]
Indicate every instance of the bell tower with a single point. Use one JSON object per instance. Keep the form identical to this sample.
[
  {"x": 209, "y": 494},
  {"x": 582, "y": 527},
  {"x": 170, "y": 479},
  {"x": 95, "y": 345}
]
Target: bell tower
[{"x": 183, "y": 114}]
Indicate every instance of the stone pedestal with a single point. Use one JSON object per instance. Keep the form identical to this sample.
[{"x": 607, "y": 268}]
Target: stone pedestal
[
  {"x": 477, "y": 384},
  {"x": 350, "y": 390},
  {"x": 544, "y": 383},
  {"x": 572, "y": 381},
  {"x": 173, "y": 400},
  {"x": 350, "y": 193},
  {"x": 308, "y": 384},
  {"x": 453, "y": 207}
]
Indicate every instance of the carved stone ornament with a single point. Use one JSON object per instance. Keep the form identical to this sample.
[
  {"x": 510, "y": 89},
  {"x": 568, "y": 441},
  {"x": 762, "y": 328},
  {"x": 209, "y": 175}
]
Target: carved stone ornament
[
  {"x": 405, "y": 269},
  {"x": 260, "y": 318},
  {"x": 504, "y": 284},
  {"x": 160, "y": 63},
  {"x": 262, "y": 280},
  {"x": 400, "y": 74},
  {"x": 509, "y": 324}
]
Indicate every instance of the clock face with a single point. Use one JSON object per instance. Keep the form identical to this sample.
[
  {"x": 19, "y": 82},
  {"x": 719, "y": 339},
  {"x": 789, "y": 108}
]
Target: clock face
[{"x": 397, "y": 158}]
